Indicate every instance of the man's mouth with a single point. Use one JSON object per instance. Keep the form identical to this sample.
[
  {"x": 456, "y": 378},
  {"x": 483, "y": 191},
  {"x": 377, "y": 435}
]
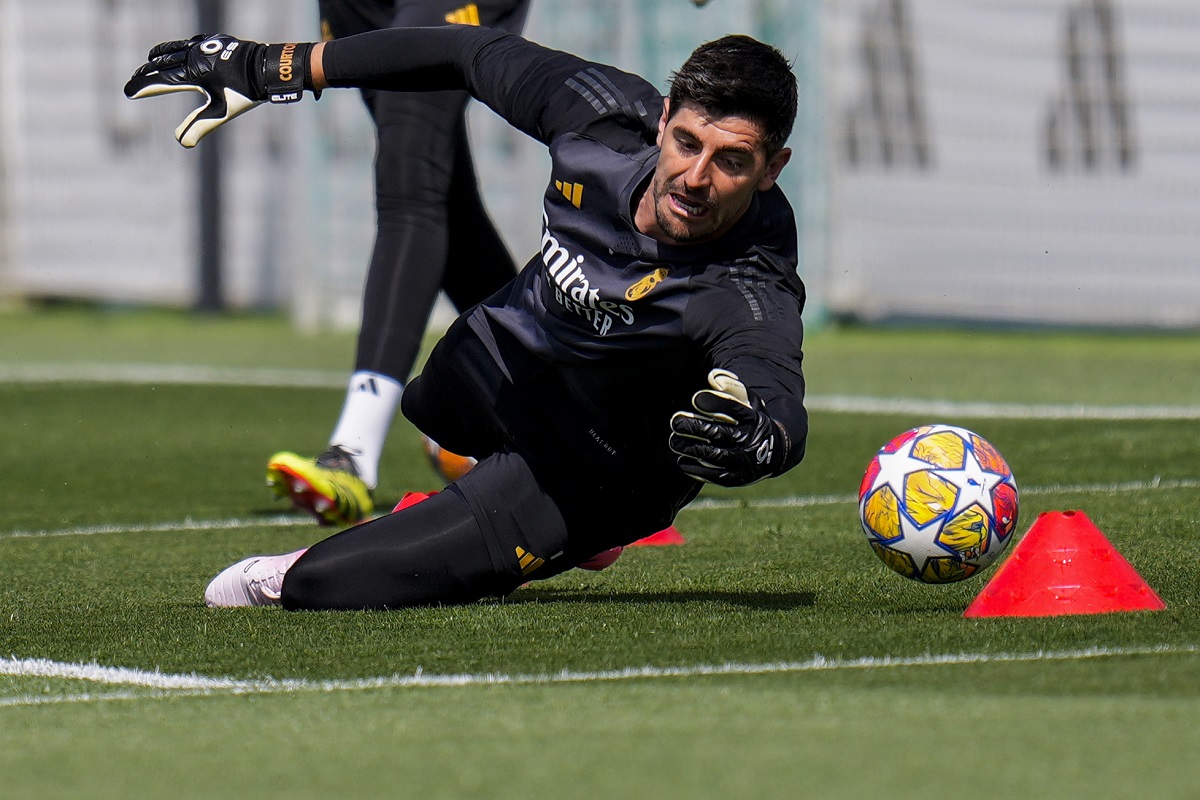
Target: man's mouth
[{"x": 689, "y": 208}]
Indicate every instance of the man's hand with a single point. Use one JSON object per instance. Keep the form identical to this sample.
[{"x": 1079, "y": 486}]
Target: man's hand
[
  {"x": 233, "y": 75},
  {"x": 729, "y": 439}
]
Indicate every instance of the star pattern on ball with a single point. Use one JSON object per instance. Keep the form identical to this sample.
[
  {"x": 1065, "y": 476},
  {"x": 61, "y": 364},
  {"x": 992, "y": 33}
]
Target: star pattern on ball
[
  {"x": 895, "y": 467},
  {"x": 920, "y": 541},
  {"x": 974, "y": 484}
]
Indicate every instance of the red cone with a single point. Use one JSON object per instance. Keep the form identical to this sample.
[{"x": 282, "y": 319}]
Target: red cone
[
  {"x": 1063, "y": 565},
  {"x": 411, "y": 499},
  {"x": 667, "y": 535}
]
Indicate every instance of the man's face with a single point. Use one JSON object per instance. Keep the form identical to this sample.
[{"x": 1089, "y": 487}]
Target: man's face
[{"x": 708, "y": 171}]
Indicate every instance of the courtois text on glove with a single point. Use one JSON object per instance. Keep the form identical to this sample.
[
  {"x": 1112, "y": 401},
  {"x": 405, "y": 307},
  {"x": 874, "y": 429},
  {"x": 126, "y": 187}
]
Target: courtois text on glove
[{"x": 232, "y": 75}]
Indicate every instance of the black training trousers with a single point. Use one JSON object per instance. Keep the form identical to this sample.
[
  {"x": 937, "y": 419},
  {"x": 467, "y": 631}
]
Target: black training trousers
[{"x": 432, "y": 229}]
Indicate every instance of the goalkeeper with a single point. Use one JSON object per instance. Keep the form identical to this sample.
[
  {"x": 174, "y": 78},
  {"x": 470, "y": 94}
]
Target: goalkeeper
[{"x": 651, "y": 345}]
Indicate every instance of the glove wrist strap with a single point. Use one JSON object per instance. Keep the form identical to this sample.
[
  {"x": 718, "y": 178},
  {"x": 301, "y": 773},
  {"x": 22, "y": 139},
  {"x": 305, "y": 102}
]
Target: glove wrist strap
[{"x": 287, "y": 72}]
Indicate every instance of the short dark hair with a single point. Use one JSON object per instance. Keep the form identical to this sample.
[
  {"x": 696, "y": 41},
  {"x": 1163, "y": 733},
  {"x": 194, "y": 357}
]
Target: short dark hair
[{"x": 739, "y": 75}]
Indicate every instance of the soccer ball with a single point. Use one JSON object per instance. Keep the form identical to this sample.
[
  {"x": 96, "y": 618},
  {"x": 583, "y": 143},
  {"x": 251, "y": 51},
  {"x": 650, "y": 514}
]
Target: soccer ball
[
  {"x": 450, "y": 466},
  {"x": 938, "y": 504}
]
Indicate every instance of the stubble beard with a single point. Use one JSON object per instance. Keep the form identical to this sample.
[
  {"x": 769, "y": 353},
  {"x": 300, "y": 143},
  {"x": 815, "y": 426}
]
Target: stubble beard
[{"x": 674, "y": 227}]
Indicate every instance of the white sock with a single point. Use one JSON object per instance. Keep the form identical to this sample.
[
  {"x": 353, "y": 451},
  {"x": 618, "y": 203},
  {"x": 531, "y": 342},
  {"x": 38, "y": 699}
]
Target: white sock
[{"x": 371, "y": 402}]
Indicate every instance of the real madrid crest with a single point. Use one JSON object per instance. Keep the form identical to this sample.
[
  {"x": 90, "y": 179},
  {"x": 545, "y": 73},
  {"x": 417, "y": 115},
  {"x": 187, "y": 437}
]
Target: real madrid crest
[{"x": 646, "y": 285}]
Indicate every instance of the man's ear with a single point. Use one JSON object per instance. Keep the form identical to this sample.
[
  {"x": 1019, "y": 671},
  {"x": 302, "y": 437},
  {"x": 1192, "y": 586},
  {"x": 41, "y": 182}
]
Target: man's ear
[
  {"x": 662, "y": 121},
  {"x": 774, "y": 167}
]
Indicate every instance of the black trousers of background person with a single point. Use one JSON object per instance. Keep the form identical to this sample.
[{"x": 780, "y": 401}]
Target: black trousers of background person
[{"x": 432, "y": 229}]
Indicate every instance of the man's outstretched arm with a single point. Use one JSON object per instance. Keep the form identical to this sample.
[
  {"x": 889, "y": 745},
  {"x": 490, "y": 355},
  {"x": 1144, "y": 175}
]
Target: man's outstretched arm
[{"x": 515, "y": 77}]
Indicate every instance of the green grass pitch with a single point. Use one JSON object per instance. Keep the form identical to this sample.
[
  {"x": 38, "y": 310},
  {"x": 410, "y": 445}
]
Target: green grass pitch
[{"x": 771, "y": 656}]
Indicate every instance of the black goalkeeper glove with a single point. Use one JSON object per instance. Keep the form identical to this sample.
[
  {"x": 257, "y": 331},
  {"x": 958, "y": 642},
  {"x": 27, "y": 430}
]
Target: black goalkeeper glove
[
  {"x": 729, "y": 439},
  {"x": 233, "y": 75}
]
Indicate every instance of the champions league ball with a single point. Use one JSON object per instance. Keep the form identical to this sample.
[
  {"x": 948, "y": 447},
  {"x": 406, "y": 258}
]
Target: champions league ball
[
  {"x": 938, "y": 504},
  {"x": 449, "y": 466}
]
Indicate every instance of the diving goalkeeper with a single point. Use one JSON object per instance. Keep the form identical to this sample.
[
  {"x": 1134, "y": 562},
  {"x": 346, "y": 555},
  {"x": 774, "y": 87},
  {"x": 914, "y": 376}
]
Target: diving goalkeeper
[{"x": 651, "y": 345}]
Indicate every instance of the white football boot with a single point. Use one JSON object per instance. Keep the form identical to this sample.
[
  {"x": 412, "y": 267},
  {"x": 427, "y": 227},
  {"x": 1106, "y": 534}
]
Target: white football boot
[{"x": 254, "y": 581}]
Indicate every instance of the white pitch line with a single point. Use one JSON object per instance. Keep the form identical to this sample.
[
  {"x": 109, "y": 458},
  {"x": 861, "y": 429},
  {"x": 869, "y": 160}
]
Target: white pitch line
[
  {"x": 176, "y": 685},
  {"x": 702, "y": 504},
  {"x": 947, "y": 409},
  {"x": 186, "y": 525},
  {"x": 112, "y": 676},
  {"x": 1155, "y": 484},
  {"x": 174, "y": 374},
  {"x": 190, "y": 375}
]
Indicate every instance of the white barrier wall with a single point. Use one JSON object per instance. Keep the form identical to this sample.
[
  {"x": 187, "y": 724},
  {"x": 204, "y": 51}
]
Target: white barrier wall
[
  {"x": 1023, "y": 161},
  {"x": 99, "y": 200}
]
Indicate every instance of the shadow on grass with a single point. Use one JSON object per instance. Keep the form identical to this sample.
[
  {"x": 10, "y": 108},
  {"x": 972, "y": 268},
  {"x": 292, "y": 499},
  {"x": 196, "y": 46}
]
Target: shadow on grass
[{"x": 771, "y": 601}]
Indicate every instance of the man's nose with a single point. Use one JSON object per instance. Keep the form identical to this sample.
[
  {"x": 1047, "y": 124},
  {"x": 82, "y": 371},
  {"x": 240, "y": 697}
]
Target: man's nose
[{"x": 698, "y": 174}]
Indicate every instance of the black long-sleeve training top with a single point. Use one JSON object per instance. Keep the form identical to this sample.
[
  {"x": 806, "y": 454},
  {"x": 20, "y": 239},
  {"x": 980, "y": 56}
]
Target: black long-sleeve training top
[{"x": 632, "y": 325}]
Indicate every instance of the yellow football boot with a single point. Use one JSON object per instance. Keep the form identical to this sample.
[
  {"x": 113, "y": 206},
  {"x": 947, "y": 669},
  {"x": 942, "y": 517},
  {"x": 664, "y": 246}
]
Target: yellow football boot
[{"x": 328, "y": 486}]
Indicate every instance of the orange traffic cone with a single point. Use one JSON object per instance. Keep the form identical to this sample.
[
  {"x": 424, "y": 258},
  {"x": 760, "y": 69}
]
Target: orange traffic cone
[{"x": 1063, "y": 565}]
